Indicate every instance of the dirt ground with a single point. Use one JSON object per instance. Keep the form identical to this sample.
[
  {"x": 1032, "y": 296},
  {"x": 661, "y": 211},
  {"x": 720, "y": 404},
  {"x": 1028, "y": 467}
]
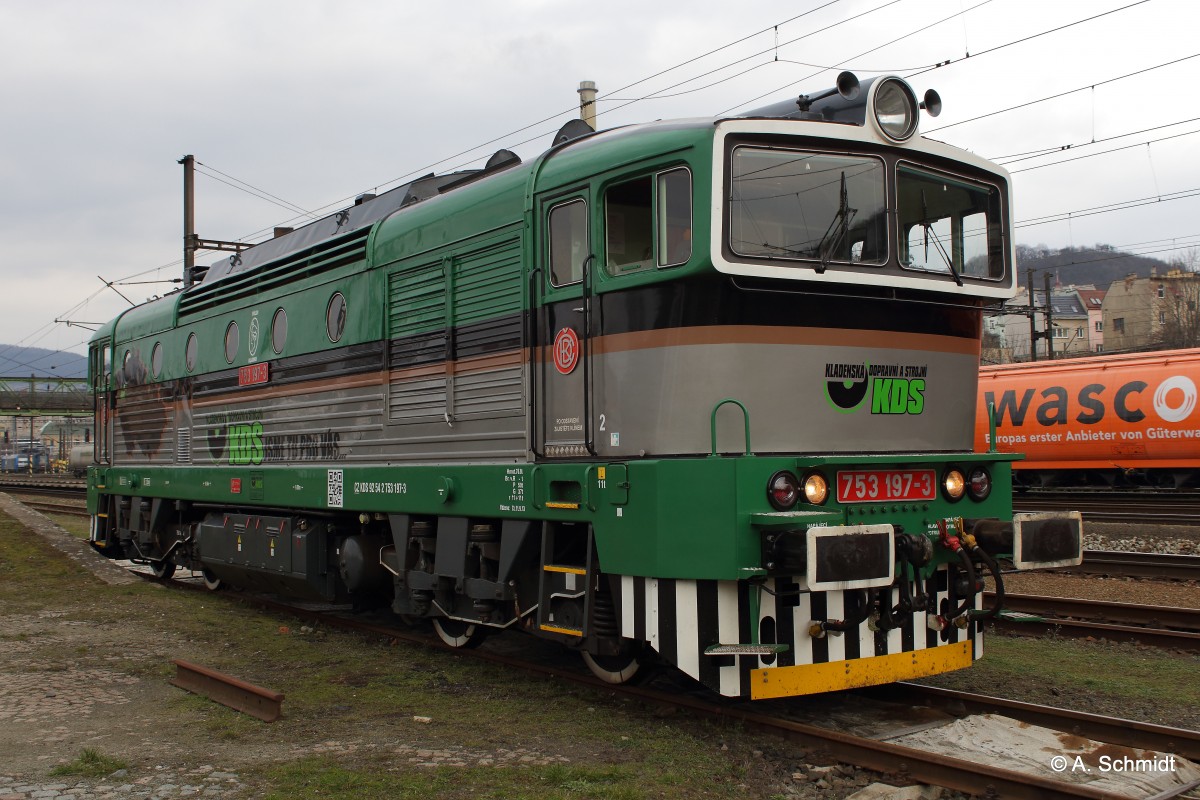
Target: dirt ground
[{"x": 85, "y": 665}]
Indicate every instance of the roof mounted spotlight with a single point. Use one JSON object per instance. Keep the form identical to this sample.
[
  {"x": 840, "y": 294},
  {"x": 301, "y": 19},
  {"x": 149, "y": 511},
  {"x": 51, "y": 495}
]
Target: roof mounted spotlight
[
  {"x": 847, "y": 87},
  {"x": 894, "y": 105}
]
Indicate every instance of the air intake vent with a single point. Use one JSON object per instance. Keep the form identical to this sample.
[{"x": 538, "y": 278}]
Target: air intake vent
[
  {"x": 183, "y": 446},
  {"x": 314, "y": 260}
]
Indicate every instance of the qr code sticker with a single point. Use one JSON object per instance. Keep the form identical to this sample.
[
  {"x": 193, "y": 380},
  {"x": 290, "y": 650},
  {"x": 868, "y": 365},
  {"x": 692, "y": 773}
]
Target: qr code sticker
[{"x": 335, "y": 488}]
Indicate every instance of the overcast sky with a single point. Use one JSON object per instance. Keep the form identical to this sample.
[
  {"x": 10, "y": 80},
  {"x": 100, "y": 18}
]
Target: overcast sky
[{"x": 314, "y": 102}]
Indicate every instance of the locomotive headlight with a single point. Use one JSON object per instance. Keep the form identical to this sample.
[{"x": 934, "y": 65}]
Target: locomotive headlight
[
  {"x": 895, "y": 108},
  {"x": 980, "y": 484},
  {"x": 783, "y": 490},
  {"x": 816, "y": 488},
  {"x": 954, "y": 483}
]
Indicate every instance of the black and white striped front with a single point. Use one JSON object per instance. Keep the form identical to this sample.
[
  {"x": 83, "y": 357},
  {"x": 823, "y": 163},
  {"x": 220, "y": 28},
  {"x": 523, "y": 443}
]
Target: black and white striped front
[{"x": 681, "y": 618}]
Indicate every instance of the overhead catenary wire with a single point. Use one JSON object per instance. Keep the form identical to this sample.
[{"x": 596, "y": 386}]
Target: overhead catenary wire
[
  {"x": 254, "y": 191},
  {"x": 1063, "y": 94},
  {"x": 1031, "y": 37},
  {"x": 1105, "y": 152},
  {"x": 859, "y": 55},
  {"x": 658, "y": 94},
  {"x": 1048, "y": 151}
]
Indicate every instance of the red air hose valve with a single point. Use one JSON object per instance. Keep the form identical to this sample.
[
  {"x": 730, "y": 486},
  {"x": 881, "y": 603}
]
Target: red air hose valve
[{"x": 949, "y": 542}]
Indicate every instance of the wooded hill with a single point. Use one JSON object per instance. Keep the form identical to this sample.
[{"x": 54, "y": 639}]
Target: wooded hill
[
  {"x": 1099, "y": 265},
  {"x": 21, "y": 362}
]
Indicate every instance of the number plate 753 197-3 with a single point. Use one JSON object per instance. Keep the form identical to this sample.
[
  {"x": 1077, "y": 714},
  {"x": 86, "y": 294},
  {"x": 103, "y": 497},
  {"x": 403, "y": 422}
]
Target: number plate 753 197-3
[{"x": 881, "y": 486}]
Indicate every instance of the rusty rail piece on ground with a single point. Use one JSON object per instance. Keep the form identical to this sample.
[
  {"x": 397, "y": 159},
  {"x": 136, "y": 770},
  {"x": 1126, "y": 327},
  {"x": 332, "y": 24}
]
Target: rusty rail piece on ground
[{"x": 228, "y": 691}]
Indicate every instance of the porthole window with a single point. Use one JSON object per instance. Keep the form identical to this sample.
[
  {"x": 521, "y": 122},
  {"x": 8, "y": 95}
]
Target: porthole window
[
  {"x": 156, "y": 359},
  {"x": 279, "y": 330},
  {"x": 189, "y": 353},
  {"x": 335, "y": 317},
  {"x": 231, "y": 342}
]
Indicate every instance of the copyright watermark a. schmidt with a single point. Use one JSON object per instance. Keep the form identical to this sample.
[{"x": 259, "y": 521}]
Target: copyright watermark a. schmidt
[{"x": 1106, "y": 764}]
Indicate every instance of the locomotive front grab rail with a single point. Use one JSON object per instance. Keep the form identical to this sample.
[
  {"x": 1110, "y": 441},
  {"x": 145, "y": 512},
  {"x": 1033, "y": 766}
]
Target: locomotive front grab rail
[{"x": 713, "y": 424}]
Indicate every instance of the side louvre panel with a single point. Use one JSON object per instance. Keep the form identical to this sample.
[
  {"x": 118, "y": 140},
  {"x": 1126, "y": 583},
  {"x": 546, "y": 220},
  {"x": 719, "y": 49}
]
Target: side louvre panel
[{"x": 455, "y": 330}]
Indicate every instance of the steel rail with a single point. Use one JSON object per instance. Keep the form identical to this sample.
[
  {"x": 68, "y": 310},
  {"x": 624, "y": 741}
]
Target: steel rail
[
  {"x": 1113, "y": 730},
  {"x": 1077, "y": 629},
  {"x": 56, "y": 508},
  {"x": 1139, "y": 565},
  {"x": 52, "y": 488},
  {"x": 228, "y": 690},
  {"x": 1164, "y": 617},
  {"x": 1139, "y": 507}
]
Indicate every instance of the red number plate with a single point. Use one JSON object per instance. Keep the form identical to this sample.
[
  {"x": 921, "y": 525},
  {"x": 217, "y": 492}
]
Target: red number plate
[{"x": 881, "y": 486}]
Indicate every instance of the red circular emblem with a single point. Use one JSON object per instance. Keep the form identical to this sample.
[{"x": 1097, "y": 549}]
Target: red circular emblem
[{"x": 566, "y": 351}]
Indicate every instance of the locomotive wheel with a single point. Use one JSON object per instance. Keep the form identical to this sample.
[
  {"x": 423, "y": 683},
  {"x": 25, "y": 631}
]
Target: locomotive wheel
[
  {"x": 211, "y": 582},
  {"x": 163, "y": 570},
  {"x": 457, "y": 633},
  {"x": 628, "y": 666}
]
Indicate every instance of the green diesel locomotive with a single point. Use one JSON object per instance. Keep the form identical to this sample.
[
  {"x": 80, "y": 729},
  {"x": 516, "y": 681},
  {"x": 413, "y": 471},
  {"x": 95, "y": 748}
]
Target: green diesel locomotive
[{"x": 699, "y": 391}]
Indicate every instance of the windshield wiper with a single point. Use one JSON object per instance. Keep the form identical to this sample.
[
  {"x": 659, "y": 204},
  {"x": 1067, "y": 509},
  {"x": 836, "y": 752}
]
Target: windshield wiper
[
  {"x": 839, "y": 226},
  {"x": 927, "y": 226}
]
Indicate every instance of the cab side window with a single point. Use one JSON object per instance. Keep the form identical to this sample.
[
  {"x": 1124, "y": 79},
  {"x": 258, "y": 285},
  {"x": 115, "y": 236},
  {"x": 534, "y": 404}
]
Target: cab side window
[
  {"x": 568, "y": 242},
  {"x": 629, "y": 225},
  {"x": 674, "y": 217},
  {"x": 648, "y": 222}
]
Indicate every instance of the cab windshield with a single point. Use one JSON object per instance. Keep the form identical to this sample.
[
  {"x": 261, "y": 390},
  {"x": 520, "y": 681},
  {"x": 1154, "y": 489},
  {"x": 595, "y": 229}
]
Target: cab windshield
[
  {"x": 789, "y": 204},
  {"x": 948, "y": 224},
  {"x": 834, "y": 209}
]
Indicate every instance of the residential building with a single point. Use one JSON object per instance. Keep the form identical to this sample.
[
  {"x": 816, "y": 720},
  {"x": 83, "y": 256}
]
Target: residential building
[
  {"x": 1007, "y": 335},
  {"x": 1093, "y": 300},
  {"x": 1151, "y": 313}
]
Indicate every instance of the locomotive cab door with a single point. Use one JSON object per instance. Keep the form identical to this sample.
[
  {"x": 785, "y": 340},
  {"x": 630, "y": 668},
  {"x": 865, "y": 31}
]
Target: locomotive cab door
[
  {"x": 563, "y": 325},
  {"x": 100, "y": 367}
]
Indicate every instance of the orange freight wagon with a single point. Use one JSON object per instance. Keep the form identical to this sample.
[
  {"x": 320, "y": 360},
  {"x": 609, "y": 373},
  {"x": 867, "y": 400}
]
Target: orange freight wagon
[{"x": 1116, "y": 413}]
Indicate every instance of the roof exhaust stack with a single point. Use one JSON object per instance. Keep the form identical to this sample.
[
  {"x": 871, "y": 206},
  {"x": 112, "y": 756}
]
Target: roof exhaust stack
[{"x": 587, "y": 103}]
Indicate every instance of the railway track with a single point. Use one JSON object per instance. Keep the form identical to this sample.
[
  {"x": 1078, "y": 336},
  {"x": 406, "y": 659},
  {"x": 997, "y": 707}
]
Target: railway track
[
  {"x": 1173, "y": 628},
  {"x": 57, "y": 485},
  {"x": 1157, "y": 508},
  {"x": 68, "y": 509},
  {"x": 1139, "y": 565},
  {"x": 876, "y": 752}
]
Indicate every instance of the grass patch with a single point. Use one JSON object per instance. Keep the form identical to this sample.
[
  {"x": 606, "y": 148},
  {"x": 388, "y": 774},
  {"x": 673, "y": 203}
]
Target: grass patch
[
  {"x": 90, "y": 764},
  {"x": 79, "y": 527},
  {"x": 324, "y": 778},
  {"x": 1119, "y": 670}
]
